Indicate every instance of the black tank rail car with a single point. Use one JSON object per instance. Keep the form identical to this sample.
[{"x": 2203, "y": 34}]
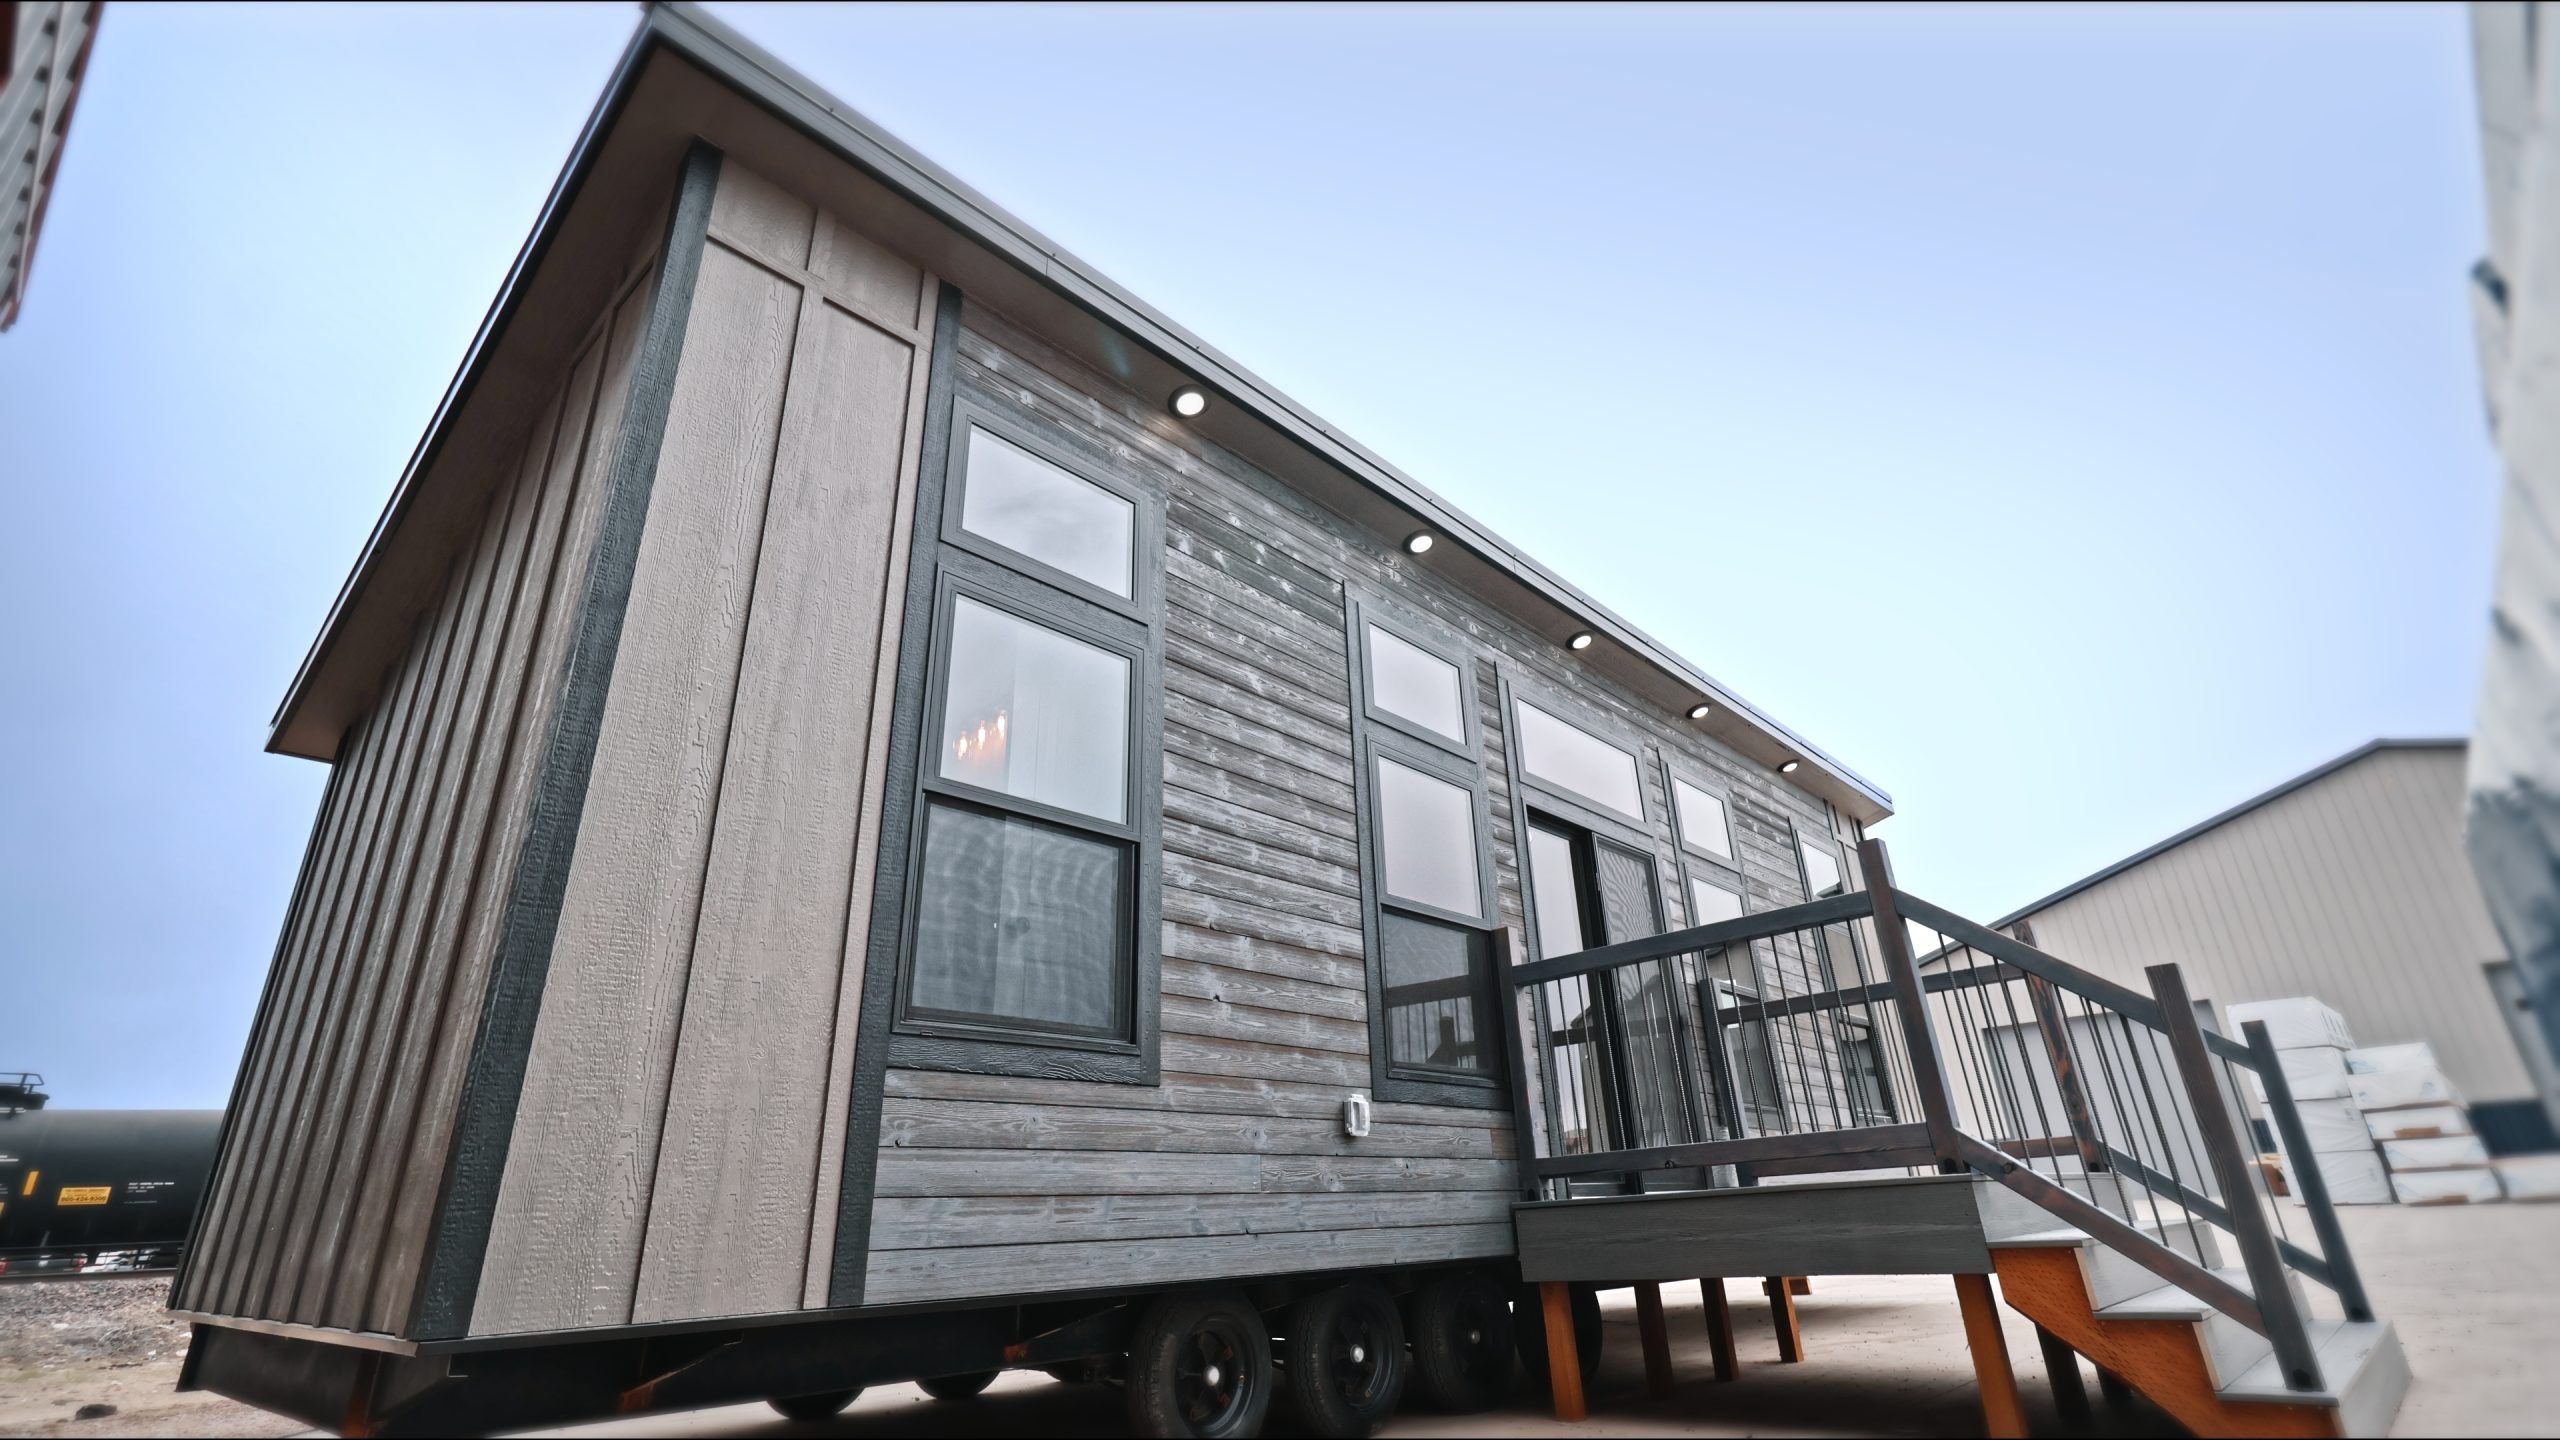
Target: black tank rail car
[{"x": 78, "y": 1185}]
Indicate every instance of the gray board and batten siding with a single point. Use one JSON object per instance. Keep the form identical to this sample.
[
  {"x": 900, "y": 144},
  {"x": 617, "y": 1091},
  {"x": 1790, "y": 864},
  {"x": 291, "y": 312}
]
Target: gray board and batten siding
[
  {"x": 341, "y": 1121},
  {"x": 582, "y": 1014}
]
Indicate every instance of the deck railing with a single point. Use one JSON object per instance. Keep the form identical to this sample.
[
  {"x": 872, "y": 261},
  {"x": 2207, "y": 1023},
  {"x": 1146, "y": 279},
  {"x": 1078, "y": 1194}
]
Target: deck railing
[{"x": 1818, "y": 1038}]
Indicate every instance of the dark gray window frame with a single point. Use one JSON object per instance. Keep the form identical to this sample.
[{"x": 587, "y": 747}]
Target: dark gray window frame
[
  {"x": 1146, "y": 576},
  {"x": 1377, "y": 734},
  {"x": 1016, "y": 584},
  {"x": 1675, "y": 774},
  {"x": 1572, "y": 805}
]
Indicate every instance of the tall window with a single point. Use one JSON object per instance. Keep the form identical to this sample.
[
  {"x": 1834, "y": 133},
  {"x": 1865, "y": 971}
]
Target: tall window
[
  {"x": 1030, "y": 937},
  {"x": 1865, "y": 1089},
  {"x": 1427, "y": 871}
]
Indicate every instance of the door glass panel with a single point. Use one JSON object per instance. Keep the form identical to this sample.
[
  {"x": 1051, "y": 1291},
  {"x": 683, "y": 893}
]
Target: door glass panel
[
  {"x": 1703, "y": 824},
  {"x": 1408, "y": 681},
  {"x": 1062, "y": 520},
  {"x": 1578, "y": 762},
  {"x": 1649, "y": 1011},
  {"x": 1552, "y": 891},
  {"x": 1427, "y": 839},
  {"x": 1036, "y": 714}
]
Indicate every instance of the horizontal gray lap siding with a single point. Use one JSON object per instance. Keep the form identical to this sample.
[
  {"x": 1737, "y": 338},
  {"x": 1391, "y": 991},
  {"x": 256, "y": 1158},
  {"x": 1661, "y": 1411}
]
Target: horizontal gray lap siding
[
  {"x": 1236, "y": 1165},
  {"x": 344, "y": 1097}
]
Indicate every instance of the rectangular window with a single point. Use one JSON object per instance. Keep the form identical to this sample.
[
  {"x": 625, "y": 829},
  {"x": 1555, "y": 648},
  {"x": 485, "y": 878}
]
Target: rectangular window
[
  {"x": 1426, "y": 878},
  {"x": 1413, "y": 684},
  {"x": 1427, "y": 840},
  {"x": 1704, "y": 825},
  {"x": 1709, "y": 903},
  {"x": 1040, "y": 510},
  {"x": 1020, "y": 923},
  {"x": 1035, "y": 714},
  {"x": 1433, "y": 983},
  {"x": 1568, "y": 758},
  {"x": 1821, "y": 870},
  {"x": 1027, "y": 943}
]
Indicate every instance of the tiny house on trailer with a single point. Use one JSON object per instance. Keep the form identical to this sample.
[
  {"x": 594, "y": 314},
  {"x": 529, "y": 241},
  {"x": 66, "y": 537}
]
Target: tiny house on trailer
[{"x": 893, "y": 815}]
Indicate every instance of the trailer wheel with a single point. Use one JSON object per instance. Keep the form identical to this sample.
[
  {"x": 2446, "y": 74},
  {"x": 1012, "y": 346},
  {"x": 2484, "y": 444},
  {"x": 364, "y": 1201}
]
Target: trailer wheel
[
  {"x": 1462, "y": 1342},
  {"x": 1344, "y": 1364},
  {"x": 956, "y": 1387},
  {"x": 1530, "y": 1324},
  {"x": 813, "y": 1407},
  {"x": 1200, "y": 1364}
]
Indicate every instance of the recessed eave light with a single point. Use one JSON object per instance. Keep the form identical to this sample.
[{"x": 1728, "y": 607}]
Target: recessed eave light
[
  {"x": 1790, "y": 767},
  {"x": 1188, "y": 401},
  {"x": 1417, "y": 543},
  {"x": 1581, "y": 640},
  {"x": 1700, "y": 710}
]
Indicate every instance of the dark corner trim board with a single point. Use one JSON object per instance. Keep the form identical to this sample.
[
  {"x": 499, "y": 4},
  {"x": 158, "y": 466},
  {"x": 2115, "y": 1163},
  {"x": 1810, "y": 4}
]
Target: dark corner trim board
[
  {"x": 881, "y": 969},
  {"x": 494, "y": 1080}
]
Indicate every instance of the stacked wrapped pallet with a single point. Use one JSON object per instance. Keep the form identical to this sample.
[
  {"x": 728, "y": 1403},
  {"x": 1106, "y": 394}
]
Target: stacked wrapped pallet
[
  {"x": 2417, "y": 1117},
  {"x": 2312, "y": 1042}
]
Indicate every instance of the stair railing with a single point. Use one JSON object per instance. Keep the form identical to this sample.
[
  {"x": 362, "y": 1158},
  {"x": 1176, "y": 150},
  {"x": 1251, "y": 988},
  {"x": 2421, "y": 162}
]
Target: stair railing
[{"x": 1728, "y": 1052}]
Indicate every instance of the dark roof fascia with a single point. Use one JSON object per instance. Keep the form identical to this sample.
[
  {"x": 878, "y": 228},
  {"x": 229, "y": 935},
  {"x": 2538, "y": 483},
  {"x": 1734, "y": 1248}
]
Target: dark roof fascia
[
  {"x": 733, "y": 59},
  {"x": 2316, "y": 773}
]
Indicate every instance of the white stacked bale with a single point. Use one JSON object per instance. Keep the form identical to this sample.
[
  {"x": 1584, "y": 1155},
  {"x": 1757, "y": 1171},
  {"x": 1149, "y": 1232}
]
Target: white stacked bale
[
  {"x": 2529, "y": 1177},
  {"x": 2312, "y": 1041},
  {"x": 2426, "y": 1137}
]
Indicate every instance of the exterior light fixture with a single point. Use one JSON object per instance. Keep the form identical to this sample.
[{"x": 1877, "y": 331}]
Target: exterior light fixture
[
  {"x": 1699, "y": 710},
  {"x": 1790, "y": 767},
  {"x": 1188, "y": 401},
  {"x": 1418, "y": 543},
  {"x": 1581, "y": 640}
]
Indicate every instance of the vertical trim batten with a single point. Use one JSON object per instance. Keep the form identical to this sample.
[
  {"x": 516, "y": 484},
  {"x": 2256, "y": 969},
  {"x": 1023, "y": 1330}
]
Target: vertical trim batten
[
  {"x": 476, "y": 1163},
  {"x": 852, "y": 1253}
]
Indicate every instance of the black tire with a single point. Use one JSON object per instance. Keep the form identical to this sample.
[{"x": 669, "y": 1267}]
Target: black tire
[
  {"x": 1461, "y": 1343},
  {"x": 1344, "y": 1364},
  {"x": 957, "y": 1387},
  {"x": 1529, "y": 1322},
  {"x": 814, "y": 1407},
  {"x": 1200, "y": 1365}
]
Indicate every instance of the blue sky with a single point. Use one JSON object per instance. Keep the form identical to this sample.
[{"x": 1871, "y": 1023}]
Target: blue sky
[{"x": 2067, "y": 419}]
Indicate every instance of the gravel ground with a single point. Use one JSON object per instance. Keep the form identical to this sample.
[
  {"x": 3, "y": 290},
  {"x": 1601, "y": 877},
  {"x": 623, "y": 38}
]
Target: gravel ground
[{"x": 66, "y": 1345}]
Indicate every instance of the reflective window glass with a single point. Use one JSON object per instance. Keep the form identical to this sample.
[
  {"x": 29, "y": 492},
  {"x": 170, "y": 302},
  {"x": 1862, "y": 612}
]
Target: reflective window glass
[
  {"x": 1704, "y": 826},
  {"x": 1033, "y": 713},
  {"x": 1060, "y": 519},
  {"x": 1427, "y": 839},
  {"x": 1577, "y": 762},
  {"x": 1408, "y": 681}
]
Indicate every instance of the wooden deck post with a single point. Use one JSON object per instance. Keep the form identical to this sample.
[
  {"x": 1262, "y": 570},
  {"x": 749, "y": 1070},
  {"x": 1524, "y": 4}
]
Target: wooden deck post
[
  {"x": 2002, "y": 1413},
  {"x": 1782, "y": 1314},
  {"x": 1564, "y": 1360},
  {"x": 1719, "y": 1327},
  {"x": 2118, "y": 1395},
  {"x": 2062, "y": 1369},
  {"x": 1657, "y": 1341}
]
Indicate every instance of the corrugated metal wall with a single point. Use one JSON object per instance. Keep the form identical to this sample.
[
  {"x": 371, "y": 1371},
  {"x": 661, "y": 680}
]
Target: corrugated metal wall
[
  {"x": 2352, "y": 888},
  {"x": 324, "y": 1193}
]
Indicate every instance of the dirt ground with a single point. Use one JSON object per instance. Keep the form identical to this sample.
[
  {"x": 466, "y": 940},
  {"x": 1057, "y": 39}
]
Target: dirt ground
[
  {"x": 69, "y": 1344},
  {"x": 2475, "y": 1293}
]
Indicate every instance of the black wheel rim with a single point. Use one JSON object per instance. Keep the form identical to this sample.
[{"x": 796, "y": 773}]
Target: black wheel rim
[
  {"x": 1210, "y": 1386},
  {"x": 1360, "y": 1353},
  {"x": 1473, "y": 1338}
]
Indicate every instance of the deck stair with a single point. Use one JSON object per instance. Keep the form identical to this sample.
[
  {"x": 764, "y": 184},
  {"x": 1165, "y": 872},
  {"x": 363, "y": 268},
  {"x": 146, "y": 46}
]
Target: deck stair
[
  {"x": 2209, "y": 1372},
  {"x": 2013, "y": 1116}
]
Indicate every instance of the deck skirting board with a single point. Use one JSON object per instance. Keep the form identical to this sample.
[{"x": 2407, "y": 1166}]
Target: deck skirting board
[{"x": 1926, "y": 1225}]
